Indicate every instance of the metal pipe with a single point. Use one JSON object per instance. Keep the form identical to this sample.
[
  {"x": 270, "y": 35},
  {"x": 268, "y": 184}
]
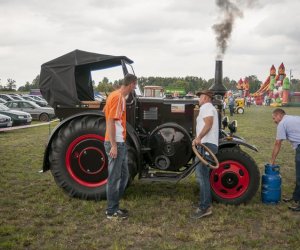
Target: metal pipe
[{"x": 218, "y": 88}]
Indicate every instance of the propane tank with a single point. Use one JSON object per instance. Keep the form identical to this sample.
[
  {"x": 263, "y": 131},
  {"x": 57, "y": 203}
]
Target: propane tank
[{"x": 271, "y": 185}]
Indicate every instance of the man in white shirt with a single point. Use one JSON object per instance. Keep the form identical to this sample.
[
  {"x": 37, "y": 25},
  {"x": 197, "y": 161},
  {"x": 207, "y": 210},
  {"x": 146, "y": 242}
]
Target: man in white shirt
[{"x": 207, "y": 133}]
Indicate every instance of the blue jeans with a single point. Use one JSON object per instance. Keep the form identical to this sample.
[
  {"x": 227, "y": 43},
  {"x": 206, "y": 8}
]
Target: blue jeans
[
  {"x": 296, "y": 194},
  {"x": 202, "y": 177},
  {"x": 118, "y": 175}
]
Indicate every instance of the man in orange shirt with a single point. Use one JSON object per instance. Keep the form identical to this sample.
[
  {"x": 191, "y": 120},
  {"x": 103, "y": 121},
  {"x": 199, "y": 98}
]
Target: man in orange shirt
[{"x": 115, "y": 146}]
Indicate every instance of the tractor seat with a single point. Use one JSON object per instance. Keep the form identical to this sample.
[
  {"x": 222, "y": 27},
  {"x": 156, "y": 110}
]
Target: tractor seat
[{"x": 92, "y": 104}]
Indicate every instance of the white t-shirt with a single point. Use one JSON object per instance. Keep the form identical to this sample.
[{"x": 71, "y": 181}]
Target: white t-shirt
[{"x": 212, "y": 136}]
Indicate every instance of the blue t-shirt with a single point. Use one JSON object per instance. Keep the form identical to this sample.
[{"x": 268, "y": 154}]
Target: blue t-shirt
[
  {"x": 231, "y": 101},
  {"x": 289, "y": 129}
]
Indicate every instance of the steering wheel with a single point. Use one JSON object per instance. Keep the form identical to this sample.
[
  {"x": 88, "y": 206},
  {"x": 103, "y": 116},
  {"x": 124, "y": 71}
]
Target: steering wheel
[{"x": 211, "y": 163}]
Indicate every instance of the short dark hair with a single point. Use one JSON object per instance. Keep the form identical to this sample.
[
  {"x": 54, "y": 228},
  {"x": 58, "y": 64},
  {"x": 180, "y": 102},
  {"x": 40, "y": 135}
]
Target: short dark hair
[
  {"x": 278, "y": 111},
  {"x": 128, "y": 79}
]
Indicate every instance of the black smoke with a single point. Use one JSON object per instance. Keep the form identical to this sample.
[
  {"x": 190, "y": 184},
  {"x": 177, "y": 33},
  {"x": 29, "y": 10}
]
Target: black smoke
[{"x": 230, "y": 10}]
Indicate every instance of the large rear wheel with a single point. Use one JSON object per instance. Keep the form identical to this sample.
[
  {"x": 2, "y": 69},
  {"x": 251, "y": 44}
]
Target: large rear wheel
[
  {"x": 78, "y": 160},
  {"x": 237, "y": 179}
]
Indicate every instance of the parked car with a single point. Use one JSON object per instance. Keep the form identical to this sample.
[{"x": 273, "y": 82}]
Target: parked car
[
  {"x": 99, "y": 97},
  {"x": 17, "y": 117},
  {"x": 5, "y": 121},
  {"x": 2, "y": 100},
  {"x": 38, "y": 98},
  {"x": 37, "y": 112},
  {"x": 38, "y": 102},
  {"x": 16, "y": 97},
  {"x": 7, "y": 97}
]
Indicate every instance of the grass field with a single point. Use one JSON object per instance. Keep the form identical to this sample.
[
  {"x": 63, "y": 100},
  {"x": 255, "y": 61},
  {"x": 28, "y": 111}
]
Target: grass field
[{"x": 36, "y": 214}]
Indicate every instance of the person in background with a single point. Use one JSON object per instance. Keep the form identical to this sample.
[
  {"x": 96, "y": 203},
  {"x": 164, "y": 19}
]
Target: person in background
[
  {"x": 231, "y": 101},
  {"x": 224, "y": 104},
  {"x": 115, "y": 146},
  {"x": 288, "y": 128},
  {"x": 207, "y": 133},
  {"x": 248, "y": 101}
]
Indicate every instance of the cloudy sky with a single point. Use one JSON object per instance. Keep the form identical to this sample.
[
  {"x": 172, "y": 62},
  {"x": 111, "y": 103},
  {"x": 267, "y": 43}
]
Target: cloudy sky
[{"x": 162, "y": 37}]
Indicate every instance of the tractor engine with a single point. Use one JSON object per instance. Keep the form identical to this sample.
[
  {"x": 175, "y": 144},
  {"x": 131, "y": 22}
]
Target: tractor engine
[{"x": 170, "y": 147}]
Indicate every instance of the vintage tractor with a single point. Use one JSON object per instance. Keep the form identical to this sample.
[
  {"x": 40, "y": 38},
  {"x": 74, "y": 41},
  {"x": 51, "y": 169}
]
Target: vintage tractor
[{"x": 159, "y": 132}]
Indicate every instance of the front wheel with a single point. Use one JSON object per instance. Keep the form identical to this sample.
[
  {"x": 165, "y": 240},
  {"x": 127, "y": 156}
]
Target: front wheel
[
  {"x": 237, "y": 179},
  {"x": 44, "y": 117}
]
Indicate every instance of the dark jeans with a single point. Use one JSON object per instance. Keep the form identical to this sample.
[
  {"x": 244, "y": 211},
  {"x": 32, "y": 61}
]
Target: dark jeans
[
  {"x": 118, "y": 175},
  {"x": 296, "y": 194},
  {"x": 231, "y": 109},
  {"x": 202, "y": 177}
]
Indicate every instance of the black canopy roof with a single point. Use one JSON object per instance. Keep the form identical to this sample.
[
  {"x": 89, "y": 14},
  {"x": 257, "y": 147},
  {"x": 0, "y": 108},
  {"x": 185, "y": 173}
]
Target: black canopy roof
[{"x": 66, "y": 80}]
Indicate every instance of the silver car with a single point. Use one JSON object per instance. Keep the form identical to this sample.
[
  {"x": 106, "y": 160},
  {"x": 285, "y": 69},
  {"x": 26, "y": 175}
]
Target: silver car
[{"x": 37, "y": 112}]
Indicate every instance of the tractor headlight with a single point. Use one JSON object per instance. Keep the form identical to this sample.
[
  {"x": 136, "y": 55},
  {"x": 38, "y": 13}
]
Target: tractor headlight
[
  {"x": 233, "y": 126},
  {"x": 225, "y": 122}
]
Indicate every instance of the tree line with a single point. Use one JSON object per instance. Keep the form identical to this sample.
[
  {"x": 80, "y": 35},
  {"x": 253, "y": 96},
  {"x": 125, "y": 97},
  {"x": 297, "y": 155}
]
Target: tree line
[{"x": 188, "y": 83}]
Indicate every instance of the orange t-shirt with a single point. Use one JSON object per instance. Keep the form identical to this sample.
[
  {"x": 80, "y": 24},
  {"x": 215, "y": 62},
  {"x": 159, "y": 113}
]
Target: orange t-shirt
[{"x": 115, "y": 108}]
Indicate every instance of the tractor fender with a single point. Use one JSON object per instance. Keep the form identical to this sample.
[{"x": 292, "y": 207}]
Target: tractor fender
[
  {"x": 134, "y": 140},
  {"x": 46, "y": 165},
  {"x": 229, "y": 142}
]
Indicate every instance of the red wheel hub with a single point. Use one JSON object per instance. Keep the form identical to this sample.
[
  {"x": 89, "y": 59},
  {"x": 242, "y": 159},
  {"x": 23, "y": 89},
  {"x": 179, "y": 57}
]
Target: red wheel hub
[
  {"x": 230, "y": 180},
  {"x": 86, "y": 160}
]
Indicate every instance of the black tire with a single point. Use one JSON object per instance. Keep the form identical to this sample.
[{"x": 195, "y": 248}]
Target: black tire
[
  {"x": 78, "y": 160},
  {"x": 237, "y": 179},
  {"x": 44, "y": 117}
]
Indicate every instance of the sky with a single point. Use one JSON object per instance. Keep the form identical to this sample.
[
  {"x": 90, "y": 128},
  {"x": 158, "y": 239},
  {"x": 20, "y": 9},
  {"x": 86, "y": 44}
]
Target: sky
[{"x": 167, "y": 38}]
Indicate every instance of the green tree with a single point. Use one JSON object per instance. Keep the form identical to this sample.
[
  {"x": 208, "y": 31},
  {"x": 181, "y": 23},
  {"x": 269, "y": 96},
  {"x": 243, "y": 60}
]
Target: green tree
[
  {"x": 254, "y": 83},
  {"x": 26, "y": 87},
  {"x": 11, "y": 84},
  {"x": 35, "y": 82},
  {"x": 295, "y": 85},
  {"x": 105, "y": 86}
]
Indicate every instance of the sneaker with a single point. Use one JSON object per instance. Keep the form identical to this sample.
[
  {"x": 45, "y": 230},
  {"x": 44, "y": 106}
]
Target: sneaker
[
  {"x": 295, "y": 206},
  {"x": 288, "y": 199},
  {"x": 124, "y": 211},
  {"x": 117, "y": 215},
  {"x": 199, "y": 213}
]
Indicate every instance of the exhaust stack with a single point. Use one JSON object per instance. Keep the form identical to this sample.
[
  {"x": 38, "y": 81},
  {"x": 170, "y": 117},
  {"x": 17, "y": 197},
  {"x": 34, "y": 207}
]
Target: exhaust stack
[{"x": 218, "y": 88}]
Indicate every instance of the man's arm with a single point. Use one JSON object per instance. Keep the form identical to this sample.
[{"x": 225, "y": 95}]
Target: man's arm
[
  {"x": 208, "y": 122},
  {"x": 111, "y": 128},
  {"x": 276, "y": 149}
]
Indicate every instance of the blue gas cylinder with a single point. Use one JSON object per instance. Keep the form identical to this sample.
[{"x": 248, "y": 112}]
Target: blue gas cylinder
[{"x": 271, "y": 185}]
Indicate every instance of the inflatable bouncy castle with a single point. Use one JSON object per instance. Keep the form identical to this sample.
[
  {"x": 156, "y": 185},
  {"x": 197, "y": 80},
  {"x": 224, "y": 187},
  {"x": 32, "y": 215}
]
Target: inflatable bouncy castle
[
  {"x": 275, "y": 90},
  {"x": 243, "y": 87}
]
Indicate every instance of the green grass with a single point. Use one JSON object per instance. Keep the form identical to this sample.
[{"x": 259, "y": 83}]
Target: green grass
[{"x": 36, "y": 214}]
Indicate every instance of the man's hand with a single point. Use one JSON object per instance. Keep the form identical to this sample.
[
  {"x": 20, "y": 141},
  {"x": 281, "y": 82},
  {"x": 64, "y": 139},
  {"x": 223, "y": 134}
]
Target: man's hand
[
  {"x": 113, "y": 152},
  {"x": 196, "y": 141},
  {"x": 276, "y": 149}
]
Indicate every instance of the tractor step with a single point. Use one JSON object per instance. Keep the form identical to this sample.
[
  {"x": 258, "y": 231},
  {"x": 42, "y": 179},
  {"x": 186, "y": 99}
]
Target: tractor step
[{"x": 157, "y": 176}]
